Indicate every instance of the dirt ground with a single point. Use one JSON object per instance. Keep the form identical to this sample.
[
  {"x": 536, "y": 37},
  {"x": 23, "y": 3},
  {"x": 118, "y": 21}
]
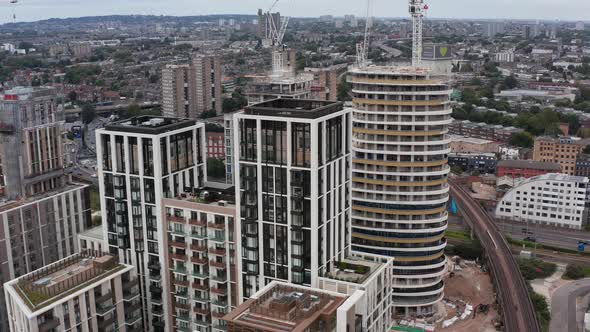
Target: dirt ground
[{"x": 473, "y": 287}]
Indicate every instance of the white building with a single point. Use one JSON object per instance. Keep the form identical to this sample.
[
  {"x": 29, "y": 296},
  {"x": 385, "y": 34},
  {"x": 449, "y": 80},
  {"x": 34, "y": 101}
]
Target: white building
[
  {"x": 292, "y": 175},
  {"x": 507, "y": 56},
  {"x": 400, "y": 146},
  {"x": 141, "y": 161},
  {"x": 549, "y": 199},
  {"x": 580, "y": 26},
  {"x": 89, "y": 291}
]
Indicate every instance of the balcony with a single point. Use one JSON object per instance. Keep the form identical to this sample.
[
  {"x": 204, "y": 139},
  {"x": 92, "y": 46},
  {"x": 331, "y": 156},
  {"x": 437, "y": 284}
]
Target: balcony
[
  {"x": 216, "y": 225},
  {"x": 155, "y": 289},
  {"x": 177, "y": 244},
  {"x": 175, "y": 219},
  {"x": 132, "y": 319},
  {"x": 129, "y": 293},
  {"x": 220, "y": 303},
  {"x": 217, "y": 238},
  {"x": 180, "y": 257},
  {"x": 219, "y": 252},
  {"x": 220, "y": 291},
  {"x": 198, "y": 235},
  {"x": 181, "y": 283},
  {"x": 197, "y": 222},
  {"x": 104, "y": 324},
  {"x": 219, "y": 278},
  {"x": 202, "y": 311},
  {"x": 104, "y": 298},
  {"x": 49, "y": 325},
  {"x": 102, "y": 310},
  {"x": 200, "y": 286},
  {"x": 200, "y": 261},
  {"x": 218, "y": 314},
  {"x": 198, "y": 248},
  {"x": 184, "y": 306},
  {"x": 179, "y": 269},
  {"x": 219, "y": 265}
]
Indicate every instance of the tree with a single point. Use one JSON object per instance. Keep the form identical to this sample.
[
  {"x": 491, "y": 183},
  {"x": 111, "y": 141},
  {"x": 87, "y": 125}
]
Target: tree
[
  {"x": 523, "y": 139},
  {"x": 72, "y": 96},
  {"x": 215, "y": 168},
  {"x": 510, "y": 82},
  {"x": 88, "y": 113},
  {"x": 344, "y": 90},
  {"x": 457, "y": 169},
  {"x": 208, "y": 114}
]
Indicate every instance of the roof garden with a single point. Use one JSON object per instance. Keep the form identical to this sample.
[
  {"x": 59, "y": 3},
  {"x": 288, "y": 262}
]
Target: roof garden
[{"x": 68, "y": 276}]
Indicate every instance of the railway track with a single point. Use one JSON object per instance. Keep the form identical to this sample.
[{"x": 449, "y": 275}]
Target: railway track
[{"x": 513, "y": 295}]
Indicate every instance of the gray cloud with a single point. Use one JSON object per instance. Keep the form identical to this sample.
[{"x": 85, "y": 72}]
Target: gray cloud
[{"x": 31, "y": 10}]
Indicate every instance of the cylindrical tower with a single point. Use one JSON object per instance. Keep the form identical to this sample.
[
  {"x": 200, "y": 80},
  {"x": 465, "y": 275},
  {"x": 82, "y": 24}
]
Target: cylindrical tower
[{"x": 399, "y": 194}]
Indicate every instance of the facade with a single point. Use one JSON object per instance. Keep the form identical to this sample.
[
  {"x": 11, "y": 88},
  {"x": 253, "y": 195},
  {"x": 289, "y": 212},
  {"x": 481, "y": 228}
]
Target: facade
[
  {"x": 485, "y": 131},
  {"x": 583, "y": 166},
  {"x": 89, "y": 291},
  {"x": 549, "y": 199},
  {"x": 215, "y": 145},
  {"x": 202, "y": 258},
  {"x": 189, "y": 90},
  {"x": 484, "y": 163},
  {"x": 460, "y": 144},
  {"x": 438, "y": 58},
  {"x": 31, "y": 146},
  {"x": 526, "y": 168},
  {"x": 563, "y": 150},
  {"x": 292, "y": 175},
  {"x": 140, "y": 162},
  {"x": 399, "y": 193},
  {"x": 228, "y": 127},
  {"x": 325, "y": 82},
  {"x": 282, "y": 307},
  {"x": 286, "y": 87}
]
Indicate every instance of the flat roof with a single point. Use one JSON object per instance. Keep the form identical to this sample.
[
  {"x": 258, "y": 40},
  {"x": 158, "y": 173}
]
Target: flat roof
[
  {"x": 93, "y": 233},
  {"x": 531, "y": 164},
  {"x": 15, "y": 204},
  {"x": 295, "y": 108},
  {"x": 56, "y": 281},
  {"x": 153, "y": 125}
]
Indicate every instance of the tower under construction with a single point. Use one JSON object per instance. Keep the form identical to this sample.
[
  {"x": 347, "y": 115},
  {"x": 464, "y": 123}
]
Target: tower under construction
[{"x": 399, "y": 173}]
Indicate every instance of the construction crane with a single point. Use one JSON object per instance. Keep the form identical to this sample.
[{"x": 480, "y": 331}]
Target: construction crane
[
  {"x": 417, "y": 10},
  {"x": 362, "y": 49},
  {"x": 13, "y": 4},
  {"x": 275, "y": 33}
]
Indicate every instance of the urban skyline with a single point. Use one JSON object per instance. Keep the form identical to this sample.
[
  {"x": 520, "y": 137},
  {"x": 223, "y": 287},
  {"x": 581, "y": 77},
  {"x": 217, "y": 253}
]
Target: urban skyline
[{"x": 33, "y": 10}]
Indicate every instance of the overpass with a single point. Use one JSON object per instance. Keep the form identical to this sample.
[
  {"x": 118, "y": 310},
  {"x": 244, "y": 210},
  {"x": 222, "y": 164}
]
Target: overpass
[{"x": 512, "y": 291}]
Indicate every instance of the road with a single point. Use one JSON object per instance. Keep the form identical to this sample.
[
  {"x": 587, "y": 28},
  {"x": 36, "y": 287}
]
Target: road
[
  {"x": 517, "y": 308},
  {"x": 565, "y": 313}
]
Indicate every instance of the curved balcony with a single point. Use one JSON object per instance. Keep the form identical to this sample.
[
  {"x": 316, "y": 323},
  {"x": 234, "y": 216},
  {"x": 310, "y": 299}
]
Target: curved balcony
[{"x": 398, "y": 152}]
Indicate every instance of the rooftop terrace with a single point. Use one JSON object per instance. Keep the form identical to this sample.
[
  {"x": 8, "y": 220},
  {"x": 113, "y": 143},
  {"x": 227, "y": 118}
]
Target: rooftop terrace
[
  {"x": 56, "y": 281},
  {"x": 295, "y": 108},
  {"x": 153, "y": 125}
]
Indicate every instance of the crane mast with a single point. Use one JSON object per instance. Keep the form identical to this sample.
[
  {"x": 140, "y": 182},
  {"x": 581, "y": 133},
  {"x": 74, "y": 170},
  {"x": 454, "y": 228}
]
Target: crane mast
[
  {"x": 417, "y": 10},
  {"x": 362, "y": 49},
  {"x": 275, "y": 33}
]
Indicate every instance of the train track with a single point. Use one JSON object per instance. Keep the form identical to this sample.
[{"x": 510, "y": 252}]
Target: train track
[{"x": 517, "y": 308}]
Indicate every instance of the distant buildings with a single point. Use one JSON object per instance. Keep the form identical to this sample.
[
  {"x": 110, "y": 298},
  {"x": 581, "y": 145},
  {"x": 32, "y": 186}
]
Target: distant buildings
[
  {"x": 325, "y": 82},
  {"x": 460, "y": 144},
  {"x": 215, "y": 145},
  {"x": 267, "y": 88},
  {"x": 485, "y": 163},
  {"x": 580, "y": 26},
  {"x": 485, "y": 131},
  {"x": 563, "y": 151},
  {"x": 583, "y": 165},
  {"x": 78, "y": 50},
  {"x": 191, "y": 89},
  {"x": 493, "y": 28},
  {"x": 506, "y": 56},
  {"x": 89, "y": 291},
  {"x": 550, "y": 199},
  {"x": 526, "y": 168},
  {"x": 541, "y": 95}
]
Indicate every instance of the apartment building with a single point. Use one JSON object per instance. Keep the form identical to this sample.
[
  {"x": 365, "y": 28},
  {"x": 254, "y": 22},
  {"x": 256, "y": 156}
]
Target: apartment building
[
  {"x": 292, "y": 160},
  {"x": 325, "y": 82},
  {"x": 526, "y": 168},
  {"x": 550, "y": 199},
  {"x": 89, "y": 291},
  {"x": 202, "y": 259},
  {"x": 141, "y": 161},
  {"x": 563, "y": 150},
  {"x": 399, "y": 173},
  {"x": 485, "y": 131},
  {"x": 228, "y": 127},
  {"x": 267, "y": 88},
  {"x": 188, "y": 90},
  {"x": 215, "y": 145},
  {"x": 484, "y": 163},
  {"x": 42, "y": 209}
]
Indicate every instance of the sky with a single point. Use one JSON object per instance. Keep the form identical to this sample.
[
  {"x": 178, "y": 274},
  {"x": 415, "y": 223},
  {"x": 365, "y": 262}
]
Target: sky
[{"x": 33, "y": 10}]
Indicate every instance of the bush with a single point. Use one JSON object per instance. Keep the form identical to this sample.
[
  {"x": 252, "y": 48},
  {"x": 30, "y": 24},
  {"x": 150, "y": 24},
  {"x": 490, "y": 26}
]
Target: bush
[
  {"x": 535, "y": 268},
  {"x": 575, "y": 272},
  {"x": 542, "y": 309},
  {"x": 469, "y": 251}
]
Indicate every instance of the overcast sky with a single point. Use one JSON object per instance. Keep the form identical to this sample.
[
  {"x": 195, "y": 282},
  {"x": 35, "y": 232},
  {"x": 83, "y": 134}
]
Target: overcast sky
[{"x": 32, "y": 10}]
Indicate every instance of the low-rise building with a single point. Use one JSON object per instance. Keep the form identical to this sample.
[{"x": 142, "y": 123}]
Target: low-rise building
[
  {"x": 89, "y": 291},
  {"x": 563, "y": 150},
  {"x": 583, "y": 165},
  {"x": 549, "y": 199},
  {"x": 215, "y": 145},
  {"x": 460, "y": 144},
  {"x": 526, "y": 168},
  {"x": 484, "y": 163},
  {"x": 496, "y": 133}
]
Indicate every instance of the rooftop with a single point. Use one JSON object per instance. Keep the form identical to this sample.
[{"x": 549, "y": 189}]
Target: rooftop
[
  {"x": 214, "y": 194},
  {"x": 24, "y": 93},
  {"x": 93, "y": 233},
  {"x": 473, "y": 140},
  {"x": 65, "y": 277},
  {"x": 281, "y": 307},
  {"x": 560, "y": 177},
  {"x": 295, "y": 108},
  {"x": 153, "y": 125},
  {"x": 531, "y": 164},
  {"x": 388, "y": 70},
  {"x": 14, "y": 204},
  {"x": 353, "y": 270}
]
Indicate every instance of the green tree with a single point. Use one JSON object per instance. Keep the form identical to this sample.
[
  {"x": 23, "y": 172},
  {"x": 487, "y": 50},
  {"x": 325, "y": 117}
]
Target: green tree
[
  {"x": 344, "y": 90},
  {"x": 72, "y": 96},
  {"x": 215, "y": 168},
  {"x": 510, "y": 82},
  {"x": 523, "y": 139},
  {"x": 88, "y": 113}
]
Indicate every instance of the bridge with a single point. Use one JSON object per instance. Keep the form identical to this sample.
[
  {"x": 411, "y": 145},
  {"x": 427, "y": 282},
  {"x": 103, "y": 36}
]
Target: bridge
[{"x": 513, "y": 295}]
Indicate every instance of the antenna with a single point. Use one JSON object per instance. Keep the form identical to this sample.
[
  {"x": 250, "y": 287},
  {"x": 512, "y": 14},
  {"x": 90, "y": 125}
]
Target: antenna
[
  {"x": 13, "y": 2},
  {"x": 417, "y": 10},
  {"x": 362, "y": 49}
]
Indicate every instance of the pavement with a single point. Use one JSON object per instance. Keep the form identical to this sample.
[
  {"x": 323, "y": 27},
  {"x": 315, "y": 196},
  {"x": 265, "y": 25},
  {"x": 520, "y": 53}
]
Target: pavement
[{"x": 566, "y": 314}]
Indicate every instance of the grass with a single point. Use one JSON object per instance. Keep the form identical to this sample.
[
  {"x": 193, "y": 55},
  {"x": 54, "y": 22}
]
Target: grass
[
  {"x": 94, "y": 199},
  {"x": 542, "y": 309},
  {"x": 458, "y": 235},
  {"x": 470, "y": 250},
  {"x": 528, "y": 244}
]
